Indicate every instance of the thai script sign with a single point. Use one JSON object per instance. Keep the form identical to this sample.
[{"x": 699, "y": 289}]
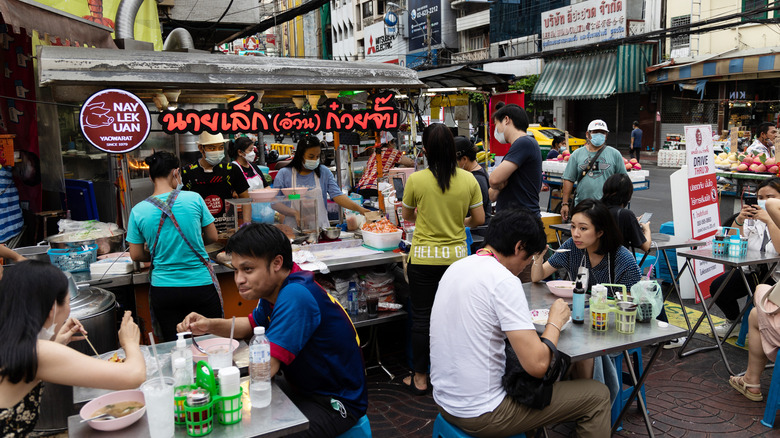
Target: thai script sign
[
  {"x": 115, "y": 121},
  {"x": 241, "y": 116},
  {"x": 588, "y": 22}
]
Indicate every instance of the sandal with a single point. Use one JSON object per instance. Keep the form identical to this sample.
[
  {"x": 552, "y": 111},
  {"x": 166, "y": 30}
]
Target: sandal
[
  {"x": 412, "y": 387},
  {"x": 738, "y": 383}
]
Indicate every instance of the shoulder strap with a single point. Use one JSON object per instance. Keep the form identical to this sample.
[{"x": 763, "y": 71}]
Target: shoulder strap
[
  {"x": 591, "y": 164},
  {"x": 165, "y": 208}
]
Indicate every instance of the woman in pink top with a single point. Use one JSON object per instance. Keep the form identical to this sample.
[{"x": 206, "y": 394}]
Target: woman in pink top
[{"x": 390, "y": 157}]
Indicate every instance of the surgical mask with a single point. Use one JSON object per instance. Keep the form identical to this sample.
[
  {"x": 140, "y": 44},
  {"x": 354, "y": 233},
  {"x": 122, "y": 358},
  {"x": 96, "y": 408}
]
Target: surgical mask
[
  {"x": 180, "y": 185},
  {"x": 250, "y": 157},
  {"x": 47, "y": 333},
  {"x": 311, "y": 164},
  {"x": 499, "y": 136},
  {"x": 762, "y": 203},
  {"x": 215, "y": 157},
  {"x": 597, "y": 139}
]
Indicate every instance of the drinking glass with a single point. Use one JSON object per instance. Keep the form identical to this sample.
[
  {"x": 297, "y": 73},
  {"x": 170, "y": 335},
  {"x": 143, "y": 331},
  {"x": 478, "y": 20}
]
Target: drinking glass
[
  {"x": 220, "y": 356},
  {"x": 158, "y": 396}
]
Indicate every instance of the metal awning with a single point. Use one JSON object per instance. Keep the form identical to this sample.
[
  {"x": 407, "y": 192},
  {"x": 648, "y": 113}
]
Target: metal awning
[
  {"x": 75, "y": 73},
  {"x": 47, "y": 20},
  {"x": 463, "y": 76},
  {"x": 731, "y": 65},
  {"x": 580, "y": 77}
]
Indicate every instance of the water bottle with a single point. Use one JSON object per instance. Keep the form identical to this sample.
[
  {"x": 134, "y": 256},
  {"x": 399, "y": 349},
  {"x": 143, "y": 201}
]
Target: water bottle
[
  {"x": 259, "y": 369},
  {"x": 578, "y": 302},
  {"x": 352, "y": 299},
  {"x": 362, "y": 303}
]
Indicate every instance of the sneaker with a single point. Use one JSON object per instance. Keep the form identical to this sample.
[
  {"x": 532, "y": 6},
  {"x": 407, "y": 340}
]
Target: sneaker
[
  {"x": 675, "y": 343},
  {"x": 721, "y": 330}
]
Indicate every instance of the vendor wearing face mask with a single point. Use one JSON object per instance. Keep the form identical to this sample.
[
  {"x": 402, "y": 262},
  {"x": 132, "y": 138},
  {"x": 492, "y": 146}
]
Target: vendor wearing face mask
[
  {"x": 215, "y": 181},
  {"x": 590, "y": 178}
]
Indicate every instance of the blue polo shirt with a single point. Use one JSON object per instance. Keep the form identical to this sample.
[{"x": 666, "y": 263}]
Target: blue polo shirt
[{"x": 313, "y": 337}]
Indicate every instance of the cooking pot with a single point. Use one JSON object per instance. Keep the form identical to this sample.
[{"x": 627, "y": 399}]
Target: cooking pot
[
  {"x": 106, "y": 245},
  {"x": 96, "y": 309},
  {"x": 39, "y": 253}
]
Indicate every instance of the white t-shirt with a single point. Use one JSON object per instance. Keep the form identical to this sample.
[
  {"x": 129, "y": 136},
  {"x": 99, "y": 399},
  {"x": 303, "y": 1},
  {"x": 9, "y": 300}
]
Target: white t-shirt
[
  {"x": 477, "y": 301},
  {"x": 755, "y": 234}
]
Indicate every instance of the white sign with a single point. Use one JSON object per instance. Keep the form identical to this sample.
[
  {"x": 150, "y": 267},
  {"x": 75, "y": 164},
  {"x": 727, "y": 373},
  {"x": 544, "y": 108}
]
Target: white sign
[
  {"x": 588, "y": 22},
  {"x": 382, "y": 46},
  {"x": 699, "y": 151}
]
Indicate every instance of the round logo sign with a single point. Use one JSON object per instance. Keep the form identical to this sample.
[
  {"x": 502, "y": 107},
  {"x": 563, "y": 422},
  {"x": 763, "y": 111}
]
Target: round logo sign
[
  {"x": 391, "y": 19},
  {"x": 115, "y": 121}
]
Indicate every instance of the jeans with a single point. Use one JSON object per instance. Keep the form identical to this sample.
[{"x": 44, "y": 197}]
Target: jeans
[{"x": 423, "y": 282}]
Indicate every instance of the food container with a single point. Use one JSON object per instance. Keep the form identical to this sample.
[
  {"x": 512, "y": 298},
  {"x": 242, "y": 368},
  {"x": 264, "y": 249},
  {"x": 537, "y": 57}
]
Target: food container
[
  {"x": 561, "y": 288},
  {"x": 72, "y": 259},
  {"x": 112, "y": 398},
  {"x": 331, "y": 233},
  {"x": 382, "y": 241},
  {"x": 105, "y": 245},
  {"x": 263, "y": 195},
  {"x": 539, "y": 318},
  {"x": 33, "y": 253}
]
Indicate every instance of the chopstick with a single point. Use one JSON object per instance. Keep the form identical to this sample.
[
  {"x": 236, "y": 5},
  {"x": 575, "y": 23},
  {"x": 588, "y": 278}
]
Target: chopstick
[{"x": 90, "y": 344}]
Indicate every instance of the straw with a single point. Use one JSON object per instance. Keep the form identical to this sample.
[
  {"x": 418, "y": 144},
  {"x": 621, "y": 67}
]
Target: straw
[
  {"x": 230, "y": 340},
  {"x": 156, "y": 359}
]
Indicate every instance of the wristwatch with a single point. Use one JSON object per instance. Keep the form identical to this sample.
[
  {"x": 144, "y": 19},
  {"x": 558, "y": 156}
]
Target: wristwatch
[{"x": 564, "y": 203}]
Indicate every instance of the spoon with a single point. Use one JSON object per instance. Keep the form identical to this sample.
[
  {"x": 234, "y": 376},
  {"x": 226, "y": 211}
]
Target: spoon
[
  {"x": 99, "y": 417},
  {"x": 559, "y": 250},
  {"x": 195, "y": 343}
]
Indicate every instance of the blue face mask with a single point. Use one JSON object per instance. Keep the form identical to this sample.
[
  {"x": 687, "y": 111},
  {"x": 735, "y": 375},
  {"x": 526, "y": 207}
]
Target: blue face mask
[
  {"x": 762, "y": 203},
  {"x": 311, "y": 164},
  {"x": 597, "y": 139}
]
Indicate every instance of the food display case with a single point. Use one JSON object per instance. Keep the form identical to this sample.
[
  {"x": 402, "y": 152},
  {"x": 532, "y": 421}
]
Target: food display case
[{"x": 295, "y": 213}]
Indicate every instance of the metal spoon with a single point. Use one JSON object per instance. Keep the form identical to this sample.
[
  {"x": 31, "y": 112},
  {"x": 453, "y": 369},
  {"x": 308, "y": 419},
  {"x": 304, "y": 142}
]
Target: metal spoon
[
  {"x": 99, "y": 417},
  {"x": 559, "y": 250},
  {"x": 195, "y": 343}
]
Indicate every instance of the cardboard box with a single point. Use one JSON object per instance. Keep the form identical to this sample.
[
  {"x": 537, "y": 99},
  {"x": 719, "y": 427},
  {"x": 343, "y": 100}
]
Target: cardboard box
[
  {"x": 550, "y": 219},
  {"x": 7, "y": 149}
]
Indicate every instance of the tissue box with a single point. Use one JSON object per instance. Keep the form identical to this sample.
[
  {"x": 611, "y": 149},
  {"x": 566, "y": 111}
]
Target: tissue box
[{"x": 112, "y": 266}]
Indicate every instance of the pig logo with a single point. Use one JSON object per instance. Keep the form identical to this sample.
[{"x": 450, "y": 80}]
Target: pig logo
[{"x": 95, "y": 116}]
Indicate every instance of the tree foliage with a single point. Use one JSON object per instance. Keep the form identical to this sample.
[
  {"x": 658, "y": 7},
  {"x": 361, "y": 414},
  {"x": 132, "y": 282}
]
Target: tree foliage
[{"x": 527, "y": 84}]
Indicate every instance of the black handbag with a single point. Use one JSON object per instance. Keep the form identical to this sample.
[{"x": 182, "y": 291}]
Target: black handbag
[{"x": 529, "y": 390}]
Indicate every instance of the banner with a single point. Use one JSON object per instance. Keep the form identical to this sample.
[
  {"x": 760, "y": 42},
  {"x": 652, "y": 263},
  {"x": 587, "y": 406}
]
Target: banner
[
  {"x": 702, "y": 198},
  {"x": 583, "y": 23}
]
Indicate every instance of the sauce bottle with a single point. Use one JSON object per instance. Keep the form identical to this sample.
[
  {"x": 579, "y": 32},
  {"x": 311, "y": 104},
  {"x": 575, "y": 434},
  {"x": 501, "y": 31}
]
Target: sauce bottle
[{"x": 578, "y": 302}]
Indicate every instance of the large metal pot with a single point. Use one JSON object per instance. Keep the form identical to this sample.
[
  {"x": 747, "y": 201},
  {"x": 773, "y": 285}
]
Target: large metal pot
[
  {"x": 96, "y": 309},
  {"x": 39, "y": 253},
  {"x": 105, "y": 245}
]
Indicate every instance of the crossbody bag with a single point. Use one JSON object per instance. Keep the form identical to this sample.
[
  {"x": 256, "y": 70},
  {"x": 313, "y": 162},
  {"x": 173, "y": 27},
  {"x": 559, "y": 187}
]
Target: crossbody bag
[{"x": 529, "y": 390}]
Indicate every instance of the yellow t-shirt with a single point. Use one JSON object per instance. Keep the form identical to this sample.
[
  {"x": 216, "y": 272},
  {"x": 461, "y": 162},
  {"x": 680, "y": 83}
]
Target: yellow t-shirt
[{"x": 439, "y": 233}]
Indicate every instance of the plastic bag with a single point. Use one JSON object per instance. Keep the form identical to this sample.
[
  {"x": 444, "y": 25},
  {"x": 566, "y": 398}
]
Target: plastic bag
[
  {"x": 341, "y": 281},
  {"x": 86, "y": 230},
  {"x": 382, "y": 282},
  {"x": 648, "y": 294}
]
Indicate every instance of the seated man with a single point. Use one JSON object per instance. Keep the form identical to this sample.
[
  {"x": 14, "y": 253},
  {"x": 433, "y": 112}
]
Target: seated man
[
  {"x": 471, "y": 318},
  {"x": 312, "y": 339}
]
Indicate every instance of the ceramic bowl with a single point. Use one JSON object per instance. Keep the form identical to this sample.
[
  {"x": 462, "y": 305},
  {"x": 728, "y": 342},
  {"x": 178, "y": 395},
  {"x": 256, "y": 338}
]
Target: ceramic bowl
[
  {"x": 263, "y": 195},
  {"x": 291, "y": 190},
  {"x": 539, "y": 318},
  {"x": 205, "y": 344},
  {"x": 89, "y": 409},
  {"x": 561, "y": 288}
]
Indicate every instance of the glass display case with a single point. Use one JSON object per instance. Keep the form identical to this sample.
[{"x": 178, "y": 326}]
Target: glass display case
[{"x": 294, "y": 214}]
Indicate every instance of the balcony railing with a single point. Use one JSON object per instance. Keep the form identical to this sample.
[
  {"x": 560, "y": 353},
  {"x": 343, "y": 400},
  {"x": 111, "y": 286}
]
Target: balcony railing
[{"x": 471, "y": 55}]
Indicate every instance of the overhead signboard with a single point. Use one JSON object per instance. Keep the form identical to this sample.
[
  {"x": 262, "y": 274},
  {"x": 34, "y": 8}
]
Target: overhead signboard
[
  {"x": 419, "y": 59},
  {"x": 419, "y": 10},
  {"x": 382, "y": 46},
  {"x": 589, "y": 22},
  {"x": 115, "y": 121}
]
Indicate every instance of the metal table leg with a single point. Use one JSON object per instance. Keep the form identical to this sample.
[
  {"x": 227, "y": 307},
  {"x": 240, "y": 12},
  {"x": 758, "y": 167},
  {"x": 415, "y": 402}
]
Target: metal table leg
[
  {"x": 373, "y": 345},
  {"x": 637, "y": 386},
  {"x": 676, "y": 287}
]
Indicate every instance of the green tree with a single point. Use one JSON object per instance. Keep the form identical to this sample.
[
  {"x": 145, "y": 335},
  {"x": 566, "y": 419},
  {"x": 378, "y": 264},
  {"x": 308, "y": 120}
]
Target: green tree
[{"x": 527, "y": 84}]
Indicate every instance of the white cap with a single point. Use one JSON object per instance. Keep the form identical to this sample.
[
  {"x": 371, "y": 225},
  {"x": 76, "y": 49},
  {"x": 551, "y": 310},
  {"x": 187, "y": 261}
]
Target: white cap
[
  {"x": 259, "y": 330},
  {"x": 598, "y": 125},
  {"x": 181, "y": 342},
  {"x": 206, "y": 138}
]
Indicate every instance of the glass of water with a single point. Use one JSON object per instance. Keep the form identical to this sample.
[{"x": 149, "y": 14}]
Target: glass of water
[{"x": 158, "y": 395}]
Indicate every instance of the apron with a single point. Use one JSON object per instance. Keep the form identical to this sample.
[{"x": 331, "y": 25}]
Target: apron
[
  {"x": 255, "y": 182},
  {"x": 316, "y": 194},
  {"x": 167, "y": 211}
]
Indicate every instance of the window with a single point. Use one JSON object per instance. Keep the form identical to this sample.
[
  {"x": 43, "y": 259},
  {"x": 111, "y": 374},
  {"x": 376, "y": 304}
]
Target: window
[
  {"x": 749, "y": 5},
  {"x": 368, "y": 9},
  {"x": 681, "y": 41}
]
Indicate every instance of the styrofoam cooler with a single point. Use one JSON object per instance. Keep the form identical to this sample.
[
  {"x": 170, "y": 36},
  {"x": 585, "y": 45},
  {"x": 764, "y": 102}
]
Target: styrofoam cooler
[{"x": 638, "y": 175}]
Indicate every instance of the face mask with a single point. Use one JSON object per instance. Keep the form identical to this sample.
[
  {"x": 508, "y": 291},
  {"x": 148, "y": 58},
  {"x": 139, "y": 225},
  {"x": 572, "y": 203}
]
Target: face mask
[
  {"x": 250, "y": 157},
  {"x": 597, "y": 139},
  {"x": 499, "y": 136},
  {"x": 762, "y": 203},
  {"x": 311, "y": 164},
  {"x": 215, "y": 157},
  {"x": 47, "y": 333}
]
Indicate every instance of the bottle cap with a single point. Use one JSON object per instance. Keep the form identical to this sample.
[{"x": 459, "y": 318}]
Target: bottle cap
[
  {"x": 294, "y": 196},
  {"x": 259, "y": 330}
]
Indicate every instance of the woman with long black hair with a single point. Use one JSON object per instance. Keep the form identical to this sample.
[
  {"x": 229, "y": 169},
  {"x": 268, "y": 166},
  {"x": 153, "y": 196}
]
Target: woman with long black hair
[
  {"x": 34, "y": 309},
  {"x": 437, "y": 200}
]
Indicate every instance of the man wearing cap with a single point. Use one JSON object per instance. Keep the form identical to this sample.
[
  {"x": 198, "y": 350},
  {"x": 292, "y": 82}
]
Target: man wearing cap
[
  {"x": 590, "y": 178},
  {"x": 214, "y": 180},
  {"x": 367, "y": 186}
]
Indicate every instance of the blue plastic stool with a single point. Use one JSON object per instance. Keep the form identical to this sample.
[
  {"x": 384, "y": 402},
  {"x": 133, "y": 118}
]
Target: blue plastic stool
[
  {"x": 743, "y": 329},
  {"x": 443, "y": 429},
  {"x": 649, "y": 262},
  {"x": 469, "y": 240},
  {"x": 772, "y": 400},
  {"x": 361, "y": 429},
  {"x": 625, "y": 379}
]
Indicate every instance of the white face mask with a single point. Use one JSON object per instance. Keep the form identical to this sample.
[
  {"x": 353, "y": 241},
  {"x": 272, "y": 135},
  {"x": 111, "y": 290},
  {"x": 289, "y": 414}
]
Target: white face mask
[
  {"x": 598, "y": 139},
  {"x": 214, "y": 157},
  {"x": 499, "y": 136},
  {"x": 762, "y": 203},
  {"x": 47, "y": 333},
  {"x": 311, "y": 164},
  {"x": 180, "y": 185},
  {"x": 250, "y": 157}
]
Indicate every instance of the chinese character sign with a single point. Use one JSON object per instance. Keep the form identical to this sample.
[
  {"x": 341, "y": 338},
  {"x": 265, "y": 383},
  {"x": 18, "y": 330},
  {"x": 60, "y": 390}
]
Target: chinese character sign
[{"x": 583, "y": 23}]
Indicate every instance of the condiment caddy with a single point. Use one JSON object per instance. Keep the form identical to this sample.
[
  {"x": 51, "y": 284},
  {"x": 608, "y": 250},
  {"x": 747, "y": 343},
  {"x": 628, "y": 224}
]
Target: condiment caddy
[
  {"x": 731, "y": 246},
  {"x": 195, "y": 405}
]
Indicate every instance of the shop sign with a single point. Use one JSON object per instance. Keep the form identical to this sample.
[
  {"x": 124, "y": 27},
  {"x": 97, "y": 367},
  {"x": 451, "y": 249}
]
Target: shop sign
[
  {"x": 241, "y": 116},
  {"x": 383, "y": 46},
  {"x": 419, "y": 59},
  {"x": 703, "y": 197},
  {"x": 419, "y": 11},
  {"x": 450, "y": 100},
  {"x": 115, "y": 121},
  {"x": 589, "y": 22}
]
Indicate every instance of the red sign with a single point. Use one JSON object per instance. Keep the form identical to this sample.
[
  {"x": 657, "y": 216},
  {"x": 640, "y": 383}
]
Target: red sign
[
  {"x": 115, "y": 121},
  {"x": 516, "y": 97}
]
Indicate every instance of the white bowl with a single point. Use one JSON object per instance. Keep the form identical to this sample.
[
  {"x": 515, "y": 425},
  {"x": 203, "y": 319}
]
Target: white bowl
[
  {"x": 561, "y": 288},
  {"x": 539, "y": 318}
]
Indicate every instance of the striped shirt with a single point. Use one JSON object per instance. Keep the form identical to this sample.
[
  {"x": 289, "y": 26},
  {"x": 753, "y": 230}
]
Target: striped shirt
[
  {"x": 10, "y": 212},
  {"x": 626, "y": 269}
]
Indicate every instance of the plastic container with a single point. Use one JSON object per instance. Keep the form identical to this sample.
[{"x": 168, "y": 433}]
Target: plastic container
[
  {"x": 182, "y": 351},
  {"x": 730, "y": 246},
  {"x": 229, "y": 406},
  {"x": 382, "y": 241},
  {"x": 625, "y": 317},
  {"x": 79, "y": 260}
]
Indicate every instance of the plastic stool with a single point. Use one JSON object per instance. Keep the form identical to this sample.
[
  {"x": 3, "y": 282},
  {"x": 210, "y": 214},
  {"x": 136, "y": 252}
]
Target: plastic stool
[
  {"x": 648, "y": 263},
  {"x": 625, "y": 379},
  {"x": 361, "y": 429},
  {"x": 772, "y": 401},
  {"x": 743, "y": 329},
  {"x": 443, "y": 429}
]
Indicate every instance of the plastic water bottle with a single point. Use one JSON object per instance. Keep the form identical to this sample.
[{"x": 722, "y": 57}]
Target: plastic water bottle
[
  {"x": 352, "y": 299},
  {"x": 362, "y": 303},
  {"x": 260, "y": 369}
]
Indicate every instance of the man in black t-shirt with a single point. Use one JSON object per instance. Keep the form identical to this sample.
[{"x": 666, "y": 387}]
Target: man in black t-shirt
[
  {"x": 517, "y": 181},
  {"x": 216, "y": 181}
]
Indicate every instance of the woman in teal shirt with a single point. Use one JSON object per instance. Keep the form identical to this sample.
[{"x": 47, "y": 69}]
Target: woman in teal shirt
[{"x": 181, "y": 280}]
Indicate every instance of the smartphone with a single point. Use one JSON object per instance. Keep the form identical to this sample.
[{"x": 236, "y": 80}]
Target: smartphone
[
  {"x": 645, "y": 218},
  {"x": 751, "y": 199}
]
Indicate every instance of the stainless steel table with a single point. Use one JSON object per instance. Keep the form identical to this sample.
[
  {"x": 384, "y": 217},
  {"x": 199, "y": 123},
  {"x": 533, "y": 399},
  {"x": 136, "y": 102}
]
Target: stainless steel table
[
  {"x": 735, "y": 264},
  {"x": 560, "y": 230},
  {"x": 279, "y": 419},
  {"x": 579, "y": 342},
  {"x": 373, "y": 340}
]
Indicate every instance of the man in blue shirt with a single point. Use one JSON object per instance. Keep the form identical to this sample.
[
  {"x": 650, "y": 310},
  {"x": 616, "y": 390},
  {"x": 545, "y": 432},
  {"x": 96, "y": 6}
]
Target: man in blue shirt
[
  {"x": 636, "y": 141},
  {"x": 312, "y": 338}
]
